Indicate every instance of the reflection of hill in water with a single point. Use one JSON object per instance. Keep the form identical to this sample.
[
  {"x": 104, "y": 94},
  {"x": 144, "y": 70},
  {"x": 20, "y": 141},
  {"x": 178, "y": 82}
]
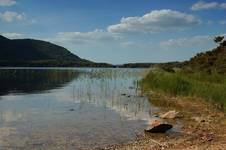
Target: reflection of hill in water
[{"x": 33, "y": 80}]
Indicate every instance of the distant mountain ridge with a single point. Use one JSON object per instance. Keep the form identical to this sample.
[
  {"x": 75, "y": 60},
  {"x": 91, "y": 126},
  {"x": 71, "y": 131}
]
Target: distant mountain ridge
[
  {"x": 37, "y": 53},
  {"x": 30, "y": 52}
]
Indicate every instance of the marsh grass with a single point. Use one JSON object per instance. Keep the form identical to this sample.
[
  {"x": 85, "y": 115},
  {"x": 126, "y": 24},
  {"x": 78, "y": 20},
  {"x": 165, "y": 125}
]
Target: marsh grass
[{"x": 210, "y": 87}]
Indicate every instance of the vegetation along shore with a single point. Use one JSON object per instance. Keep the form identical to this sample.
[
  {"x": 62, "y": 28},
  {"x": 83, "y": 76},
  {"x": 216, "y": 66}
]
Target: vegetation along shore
[{"x": 197, "y": 92}]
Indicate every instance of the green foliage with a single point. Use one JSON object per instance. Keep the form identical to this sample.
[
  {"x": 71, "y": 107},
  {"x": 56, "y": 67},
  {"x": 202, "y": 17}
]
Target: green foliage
[
  {"x": 223, "y": 43},
  {"x": 210, "y": 87},
  {"x": 218, "y": 39},
  {"x": 210, "y": 62}
]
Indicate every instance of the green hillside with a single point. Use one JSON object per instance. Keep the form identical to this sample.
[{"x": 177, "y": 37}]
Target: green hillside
[
  {"x": 29, "y": 52},
  {"x": 213, "y": 61}
]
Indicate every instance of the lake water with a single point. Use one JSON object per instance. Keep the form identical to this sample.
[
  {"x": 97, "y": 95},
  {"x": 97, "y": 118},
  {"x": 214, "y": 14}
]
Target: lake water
[{"x": 70, "y": 108}]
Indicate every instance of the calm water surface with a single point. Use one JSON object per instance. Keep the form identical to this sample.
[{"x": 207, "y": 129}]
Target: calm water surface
[{"x": 70, "y": 108}]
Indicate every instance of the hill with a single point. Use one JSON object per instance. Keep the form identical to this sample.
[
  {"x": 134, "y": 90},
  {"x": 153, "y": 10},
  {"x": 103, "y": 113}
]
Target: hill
[
  {"x": 213, "y": 61},
  {"x": 30, "y": 52}
]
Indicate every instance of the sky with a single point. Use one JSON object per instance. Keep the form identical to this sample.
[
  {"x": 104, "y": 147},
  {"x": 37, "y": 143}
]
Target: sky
[{"x": 118, "y": 31}]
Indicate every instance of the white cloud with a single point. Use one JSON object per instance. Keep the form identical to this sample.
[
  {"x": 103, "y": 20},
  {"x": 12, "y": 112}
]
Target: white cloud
[
  {"x": 222, "y": 22},
  {"x": 202, "y": 5},
  {"x": 155, "y": 21},
  {"x": 223, "y": 5},
  {"x": 210, "y": 22},
  {"x": 7, "y": 2},
  {"x": 137, "y": 45},
  {"x": 215, "y": 22},
  {"x": 186, "y": 42},
  {"x": 10, "y": 16},
  {"x": 13, "y": 35},
  {"x": 84, "y": 37}
]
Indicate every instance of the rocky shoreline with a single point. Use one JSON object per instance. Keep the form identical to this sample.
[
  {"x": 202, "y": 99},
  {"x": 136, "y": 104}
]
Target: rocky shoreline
[{"x": 201, "y": 126}]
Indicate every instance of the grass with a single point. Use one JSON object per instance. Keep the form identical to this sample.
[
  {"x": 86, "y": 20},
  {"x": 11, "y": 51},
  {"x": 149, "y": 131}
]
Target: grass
[{"x": 209, "y": 87}]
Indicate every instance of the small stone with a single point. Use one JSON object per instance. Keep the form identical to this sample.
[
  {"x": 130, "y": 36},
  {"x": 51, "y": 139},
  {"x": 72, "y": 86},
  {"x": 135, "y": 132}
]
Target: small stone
[
  {"x": 199, "y": 119},
  {"x": 207, "y": 137},
  {"x": 169, "y": 115},
  {"x": 156, "y": 116},
  {"x": 153, "y": 123}
]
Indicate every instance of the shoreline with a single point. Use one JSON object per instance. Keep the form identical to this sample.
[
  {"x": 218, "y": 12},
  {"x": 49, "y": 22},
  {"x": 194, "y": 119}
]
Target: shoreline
[{"x": 203, "y": 126}]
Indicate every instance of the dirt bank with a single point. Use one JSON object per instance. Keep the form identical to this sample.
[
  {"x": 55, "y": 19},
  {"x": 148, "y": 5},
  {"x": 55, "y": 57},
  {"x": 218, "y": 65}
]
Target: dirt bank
[{"x": 202, "y": 127}]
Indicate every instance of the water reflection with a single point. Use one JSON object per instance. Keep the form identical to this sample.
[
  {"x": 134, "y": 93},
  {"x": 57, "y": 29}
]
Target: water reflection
[
  {"x": 33, "y": 80},
  {"x": 106, "y": 103},
  {"x": 9, "y": 116}
]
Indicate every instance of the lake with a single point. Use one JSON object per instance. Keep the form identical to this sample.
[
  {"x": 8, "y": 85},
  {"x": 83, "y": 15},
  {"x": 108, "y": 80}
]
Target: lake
[{"x": 73, "y": 108}]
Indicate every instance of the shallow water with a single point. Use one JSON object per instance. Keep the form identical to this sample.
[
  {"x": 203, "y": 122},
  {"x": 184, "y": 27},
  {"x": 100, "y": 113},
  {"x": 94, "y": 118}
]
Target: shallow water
[{"x": 70, "y": 108}]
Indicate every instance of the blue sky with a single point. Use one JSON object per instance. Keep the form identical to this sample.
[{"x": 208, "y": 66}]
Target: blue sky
[{"x": 118, "y": 31}]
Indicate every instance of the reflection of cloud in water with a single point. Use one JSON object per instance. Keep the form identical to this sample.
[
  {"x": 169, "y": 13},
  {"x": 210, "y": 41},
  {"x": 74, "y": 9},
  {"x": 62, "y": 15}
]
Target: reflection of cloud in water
[
  {"x": 102, "y": 115},
  {"x": 4, "y": 133},
  {"x": 10, "y": 116},
  {"x": 105, "y": 89}
]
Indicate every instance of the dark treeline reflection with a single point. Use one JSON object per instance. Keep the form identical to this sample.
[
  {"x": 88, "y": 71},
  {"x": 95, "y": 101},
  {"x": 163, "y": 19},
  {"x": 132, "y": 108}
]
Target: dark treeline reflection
[{"x": 34, "y": 80}]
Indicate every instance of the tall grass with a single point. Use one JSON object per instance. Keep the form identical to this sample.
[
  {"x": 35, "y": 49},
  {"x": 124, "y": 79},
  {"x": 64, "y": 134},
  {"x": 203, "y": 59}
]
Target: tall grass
[{"x": 210, "y": 87}]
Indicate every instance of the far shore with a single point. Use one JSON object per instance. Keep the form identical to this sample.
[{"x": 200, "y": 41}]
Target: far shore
[{"x": 85, "y": 65}]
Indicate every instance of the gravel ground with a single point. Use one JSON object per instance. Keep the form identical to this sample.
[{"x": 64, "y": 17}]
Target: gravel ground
[{"x": 202, "y": 127}]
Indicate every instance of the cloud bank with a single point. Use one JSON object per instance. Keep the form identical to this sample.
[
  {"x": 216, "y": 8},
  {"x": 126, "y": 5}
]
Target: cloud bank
[
  {"x": 202, "y": 5},
  {"x": 4, "y": 3},
  {"x": 186, "y": 42},
  {"x": 155, "y": 21},
  {"x": 10, "y": 16},
  {"x": 84, "y": 37},
  {"x": 13, "y": 35}
]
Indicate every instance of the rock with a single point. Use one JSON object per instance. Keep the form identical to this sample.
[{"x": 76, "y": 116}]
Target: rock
[
  {"x": 155, "y": 122},
  {"x": 199, "y": 119},
  {"x": 170, "y": 115},
  {"x": 207, "y": 137},
  {"x": 157, "y": 126},
  {"x": 161, "y": 128}
]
